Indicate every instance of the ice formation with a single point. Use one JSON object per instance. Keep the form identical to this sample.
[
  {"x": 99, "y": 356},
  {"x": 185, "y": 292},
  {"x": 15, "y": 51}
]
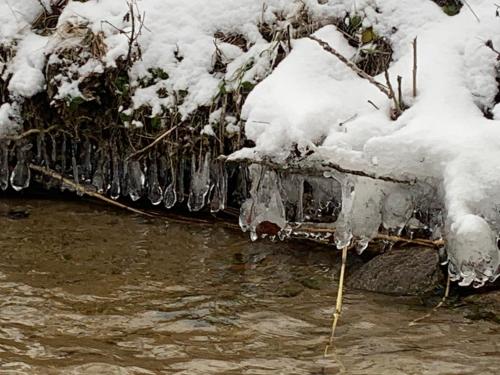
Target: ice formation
[{"x": 310, "y": 111}]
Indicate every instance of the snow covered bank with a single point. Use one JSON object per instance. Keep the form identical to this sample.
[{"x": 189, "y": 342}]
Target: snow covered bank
[
  {"x": 199, "y": 72},
  {"x": 444, "y": 139}
]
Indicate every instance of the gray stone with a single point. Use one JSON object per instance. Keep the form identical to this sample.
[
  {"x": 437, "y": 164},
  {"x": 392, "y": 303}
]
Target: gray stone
[{"x": 408, "y": 271}]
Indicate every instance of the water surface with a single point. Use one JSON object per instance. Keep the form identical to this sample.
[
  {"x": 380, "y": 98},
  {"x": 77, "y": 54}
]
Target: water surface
[{"x": 90, "y": 290}]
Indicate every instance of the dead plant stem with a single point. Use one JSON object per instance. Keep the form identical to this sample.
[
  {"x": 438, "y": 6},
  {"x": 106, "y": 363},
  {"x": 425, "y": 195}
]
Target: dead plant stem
[{"x": 338, "y": 304}]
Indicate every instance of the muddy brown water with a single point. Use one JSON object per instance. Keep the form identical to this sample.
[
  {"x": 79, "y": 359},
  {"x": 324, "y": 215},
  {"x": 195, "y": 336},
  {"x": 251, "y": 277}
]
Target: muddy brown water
[{"x": 89, "y": 290}]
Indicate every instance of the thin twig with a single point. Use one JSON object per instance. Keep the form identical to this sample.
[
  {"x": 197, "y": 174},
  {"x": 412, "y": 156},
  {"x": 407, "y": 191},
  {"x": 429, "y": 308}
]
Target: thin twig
[
  {"x": 374, "y": 105},
  {"x": 392, "y": 95},
  {"x": 80, "y": 188},
  {"x": 441, "y": 303},
  {"x": 338, "y": 305},
  {"x": 351, "y": 65},
  {"x": 415, "y": 67},
  {"x": 400, "y": 93},
  {"x": 472, "y": 10},
  {"x": 154, "y": 143}
]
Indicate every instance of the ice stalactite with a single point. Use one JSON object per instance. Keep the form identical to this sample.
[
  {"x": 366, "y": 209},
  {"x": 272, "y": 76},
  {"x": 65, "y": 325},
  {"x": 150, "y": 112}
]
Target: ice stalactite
[
  {"x": 4, "y": 165},
  {"x": 218, "y": 200},
  {"x": 170, "y": 178},
  {"x": 200, "y": 183},
  {"x": 116, "y": 171},
  {"x": 155, "y": 192},
  {"x": 136, "y": 180},
  {"x": 180, "y": 191},
  {"x": 99, "y": 178},
  {"x": 264, "y": 208},
  {"x": 20, "y": 177}
]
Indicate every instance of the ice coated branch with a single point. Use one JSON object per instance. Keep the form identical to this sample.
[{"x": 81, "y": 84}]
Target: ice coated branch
[{"x": 319, "y": 170}]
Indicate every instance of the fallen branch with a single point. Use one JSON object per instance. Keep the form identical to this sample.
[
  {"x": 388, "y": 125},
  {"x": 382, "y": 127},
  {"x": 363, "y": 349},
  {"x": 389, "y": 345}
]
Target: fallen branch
[
  {"x": 351, "y": 65},
  {"x": 154, "y": 143},
  {"x": 80, "y": 188}
]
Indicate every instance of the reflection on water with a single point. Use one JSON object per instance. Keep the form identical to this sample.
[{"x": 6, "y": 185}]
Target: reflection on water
[{"x": 84, "y": 290}]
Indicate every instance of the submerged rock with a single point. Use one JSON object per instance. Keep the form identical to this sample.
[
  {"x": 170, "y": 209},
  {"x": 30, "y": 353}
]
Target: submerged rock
[
  {"x": 409, "y": 271},
  {"x": 483, "y": 306}
]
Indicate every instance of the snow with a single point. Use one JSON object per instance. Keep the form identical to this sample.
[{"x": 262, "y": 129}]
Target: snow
[
  {"x": 443, "y": 137},
  {"x": 312, "y": 100}
]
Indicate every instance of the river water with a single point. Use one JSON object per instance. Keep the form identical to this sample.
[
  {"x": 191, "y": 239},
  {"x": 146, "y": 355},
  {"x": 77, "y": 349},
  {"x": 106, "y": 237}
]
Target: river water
[{"x": 89, "y": 290}]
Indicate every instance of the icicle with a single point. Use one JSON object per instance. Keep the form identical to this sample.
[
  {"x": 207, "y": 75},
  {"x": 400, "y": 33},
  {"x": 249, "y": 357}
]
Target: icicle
[
  {"x": 170, "y": 196},
  {"x": 180, "y": 180},
  {"x": 45, "y": 154},
  {"x": 20, "y": 177},
  {"x": 74, "y": 164},
  {"x": 200, "y": 184},
  {"x": 219, "y": 195},
  {"x": 397, "y": 209},
  {"x": 53, "y": 155},
  {"x": 155, "y": 192},
  {"x": 343, "y": 234},
  {"x": 136, "y": 180},
  {"x": 124, "y": 179},
  {"x": 366, "y": 211},
  {"x": 63, "y": 155},
  {"x": 87, "y": 161},
  {"x": 264, "y": 212},
  {"x": 38, "y": 158},
  {"x": 4, "y": 165},
  {"x": 98, "y": 180},
  {"x": 115, "y": 188},
  {"x": 293, "y": 191}
]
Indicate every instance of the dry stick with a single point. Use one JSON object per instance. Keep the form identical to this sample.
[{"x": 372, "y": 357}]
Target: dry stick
[
  {"x": 443, "y": 300},
  {"x": 417, "y": 241},
  {"x": 400, "y": 93},
  {"x": 27, "y": 134},
  {"x": 50, "y": 173},
  {"x": 338, "y": 305},
  {"x": 310, "y": 228},
  {"x": 154, "y": 143},
  {"x": 415, "y": 67},
  {"x": 351, "y": 65},
  {"x": 392, "y": 93}
]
